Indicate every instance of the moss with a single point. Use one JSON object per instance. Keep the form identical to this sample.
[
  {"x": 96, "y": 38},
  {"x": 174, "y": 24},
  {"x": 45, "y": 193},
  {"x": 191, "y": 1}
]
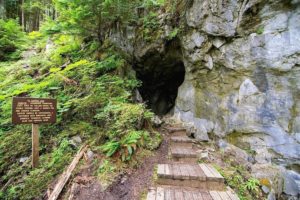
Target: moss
[
  {"x": 155, "y": 175},
  {"x": 34, "y": 183},
  {"x": 93, "y": 103},
  {"x": 235, "y": 139},
  {"x": 143, "y": 195}
]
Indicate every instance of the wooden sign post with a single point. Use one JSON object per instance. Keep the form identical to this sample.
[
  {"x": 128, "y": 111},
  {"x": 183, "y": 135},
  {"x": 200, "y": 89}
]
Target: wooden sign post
[
  {"x": 35, "y": 145},
  {"x": 34, "y": 111}
]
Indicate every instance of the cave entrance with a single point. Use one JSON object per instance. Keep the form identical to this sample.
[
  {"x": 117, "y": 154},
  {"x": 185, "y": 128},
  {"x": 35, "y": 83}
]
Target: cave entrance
[{"x": 161, "y": 76}]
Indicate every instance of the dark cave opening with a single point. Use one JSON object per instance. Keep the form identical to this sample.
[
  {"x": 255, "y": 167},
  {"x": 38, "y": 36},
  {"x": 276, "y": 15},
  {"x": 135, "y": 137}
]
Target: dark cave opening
[{"x": 161, "y": 76}]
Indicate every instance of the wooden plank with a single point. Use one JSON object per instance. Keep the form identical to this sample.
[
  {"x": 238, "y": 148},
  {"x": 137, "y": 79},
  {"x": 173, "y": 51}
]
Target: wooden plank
[
  {"x": 176, "y": 171},
  {"x": 160, "y": 193},
  {"x": 206, "y": 196},
  {"x": 224, "y": 195},
  {"x": 171, "y": 168},
  {"x": 201, "y": 175},
  {"x": 168, "y": 171},
  {"x": 215, "y": 195},
  {"x": 179, "y": 195},
  {"x": 187, "y": 195},
  {"x": 168, "y": 194},
  {"x": 151, "y": 194},
  {"x": 206, "y": 170},
  {"x": 184, "y": 151},
  {"x": 214, "y": 171},
  {"x": 197, "y": 196},
  {"x": 172, "y": 194},
  {"x": 184, "y": 171},
  {"x": 161, "y": 170},
  {"x": 193, "y": 172},
  {"x": 232, "y": 195},
  {"x": 173, "y": 150},
  {"x": 67, "y": 174},
  {"x": 172, "y": 130},
  {"x": 35, "y": 145}
]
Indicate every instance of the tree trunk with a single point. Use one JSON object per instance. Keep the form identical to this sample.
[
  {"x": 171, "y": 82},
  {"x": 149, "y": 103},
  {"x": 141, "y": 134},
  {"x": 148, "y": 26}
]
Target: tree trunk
[
  {"x": 23, "y": 16},
  {"x": 2, "y": 9}
]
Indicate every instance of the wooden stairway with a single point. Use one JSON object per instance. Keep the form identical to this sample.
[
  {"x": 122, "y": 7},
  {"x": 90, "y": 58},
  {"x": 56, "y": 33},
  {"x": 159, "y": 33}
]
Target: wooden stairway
[{"x": 184, "y": 178}]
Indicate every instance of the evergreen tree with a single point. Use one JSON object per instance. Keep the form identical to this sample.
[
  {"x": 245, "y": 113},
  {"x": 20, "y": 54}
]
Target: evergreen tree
[{"x": 95, "y": 17}]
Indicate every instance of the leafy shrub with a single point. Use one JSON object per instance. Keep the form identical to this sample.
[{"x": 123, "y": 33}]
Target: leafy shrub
[
  {"x": 94, "y": 102},
  {"x": 252, "y": 184},
  {"x": 120, "y": 117},
  {"x": 150, "y": 28},
  {"x": 35, "y": 35},
  {"x": 126, "y": 146},
  {"x": 235, "y": 177},
  {"x": 153, "y": 3},
  {"x": 173, "y": 34},
  {"x": 11, "y": 38}
]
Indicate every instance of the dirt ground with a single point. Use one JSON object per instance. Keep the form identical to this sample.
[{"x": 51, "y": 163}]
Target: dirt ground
[{"x": 126, "y": 187}]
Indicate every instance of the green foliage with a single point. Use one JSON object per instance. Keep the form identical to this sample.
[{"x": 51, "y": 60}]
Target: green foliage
[
  {"x": 173, "y": 34},
  {"x": 119, "y": 117},
  {"x": 50, "y": 27},
  {"x": 260, "y": 30},
  {"x": 235, "y": 177},
  {"x": 150, "y": 26},
  {"x": 111, "y": 147},
  {"x": 91, "y": 82},
  {"x": 11, "y": 39},
  {"x": 153, "y": 3},
  {"x": 252, "y": 184},
  {"x": 106, "y": 167},
  {"x": 95, "y": 18},
  {"x": 94, "y": 102},
  {"x": 106, "y": 171},
  {"x": 36, "y": 181},
  {"x": 58, "y": 153},
  {"x": 35, "y": 35},
  {"x": 125, "y": 146},
  {"x": 152, "y": 141}
]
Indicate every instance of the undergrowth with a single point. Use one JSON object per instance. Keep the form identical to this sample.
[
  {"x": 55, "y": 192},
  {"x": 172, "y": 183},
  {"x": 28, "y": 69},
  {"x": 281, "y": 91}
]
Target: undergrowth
[
  {"x": 239, "y": 179},
  {"x": 95, "y": 103}
]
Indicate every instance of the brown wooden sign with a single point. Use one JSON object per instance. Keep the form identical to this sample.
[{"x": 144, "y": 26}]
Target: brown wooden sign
[{"x": 33, "y": 110}]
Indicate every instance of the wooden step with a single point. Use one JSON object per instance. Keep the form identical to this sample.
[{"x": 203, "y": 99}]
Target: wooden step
[
  {"x": 179, "y": 133},
  {"x": 175, "y": 193},
  {"x": 201, "y": 176},
  {"x": 183, "y": 154},
  {"x": 182, "y": 141},
  {"x": 175, "y": 129}
]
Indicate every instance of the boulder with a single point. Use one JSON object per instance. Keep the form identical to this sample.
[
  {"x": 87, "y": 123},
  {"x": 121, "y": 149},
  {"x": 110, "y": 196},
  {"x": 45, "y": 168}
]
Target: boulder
[
  {"x": 23, "y": 159},
  {"x": 291, "y": 186},
  {"x": 76, "y": 141},
  {"x": 156, "y": 121},
  {"x": 90, "y": 154},
  {"x": 269, "y": 176},
  {"x": 241, "y": 157}
]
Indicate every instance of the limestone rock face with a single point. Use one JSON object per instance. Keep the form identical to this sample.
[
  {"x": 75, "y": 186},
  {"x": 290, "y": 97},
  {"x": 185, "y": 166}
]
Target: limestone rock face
[
  {"x": 247, "y": 84},
  {"x": 243, "y": 76}
]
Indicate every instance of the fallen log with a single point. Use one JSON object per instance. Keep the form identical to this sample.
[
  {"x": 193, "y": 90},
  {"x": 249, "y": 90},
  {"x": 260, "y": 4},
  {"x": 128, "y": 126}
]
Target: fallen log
[{"x": 67, "y": 174}]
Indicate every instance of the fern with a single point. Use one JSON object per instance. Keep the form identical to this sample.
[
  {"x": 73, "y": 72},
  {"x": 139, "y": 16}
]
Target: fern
[
  {"x": 110, "y": 148},
  {"x": 252, "y": 184}
]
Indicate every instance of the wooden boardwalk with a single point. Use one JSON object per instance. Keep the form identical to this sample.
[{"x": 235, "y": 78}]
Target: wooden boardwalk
[{"x": 184, "y": 178}]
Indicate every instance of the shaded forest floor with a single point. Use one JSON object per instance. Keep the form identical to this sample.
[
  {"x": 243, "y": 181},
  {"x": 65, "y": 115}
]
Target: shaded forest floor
[{"x": 132, "y": 184}]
